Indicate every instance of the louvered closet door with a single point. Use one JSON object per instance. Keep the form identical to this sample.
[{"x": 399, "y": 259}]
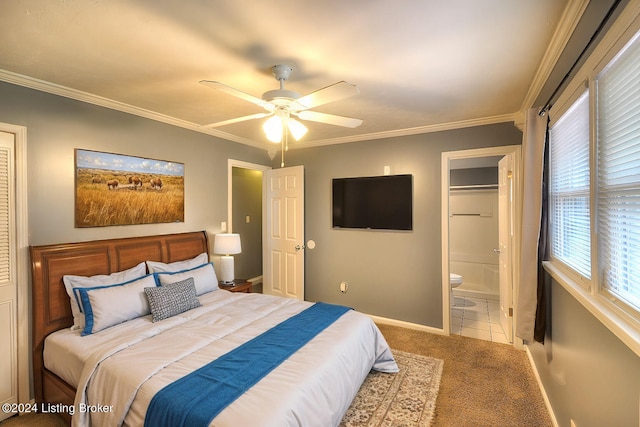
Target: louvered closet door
[{"x": 8, "y": 286}]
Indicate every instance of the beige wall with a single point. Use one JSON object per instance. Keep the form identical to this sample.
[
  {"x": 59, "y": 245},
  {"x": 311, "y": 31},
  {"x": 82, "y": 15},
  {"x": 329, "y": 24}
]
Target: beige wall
[{"x": 473, "y": 236}]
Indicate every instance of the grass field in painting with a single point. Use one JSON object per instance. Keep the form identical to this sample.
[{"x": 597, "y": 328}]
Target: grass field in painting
[{"x": 99, "y": 205}]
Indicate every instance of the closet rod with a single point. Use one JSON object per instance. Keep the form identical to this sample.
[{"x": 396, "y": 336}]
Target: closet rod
[{"x": 474, "y": 187}]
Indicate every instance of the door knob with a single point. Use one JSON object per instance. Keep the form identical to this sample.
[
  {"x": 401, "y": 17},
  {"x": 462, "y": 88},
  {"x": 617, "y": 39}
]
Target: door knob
[
  {"x": 298, "y": 248},
  {"x": 497, "y": 251}
]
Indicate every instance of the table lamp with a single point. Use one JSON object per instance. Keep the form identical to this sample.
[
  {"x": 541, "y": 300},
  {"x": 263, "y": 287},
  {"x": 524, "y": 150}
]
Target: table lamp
[{"x": 227, "y": 244}]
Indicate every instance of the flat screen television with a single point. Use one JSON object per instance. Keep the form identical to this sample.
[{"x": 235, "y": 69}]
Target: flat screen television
[{"x": 374, "y": 202}]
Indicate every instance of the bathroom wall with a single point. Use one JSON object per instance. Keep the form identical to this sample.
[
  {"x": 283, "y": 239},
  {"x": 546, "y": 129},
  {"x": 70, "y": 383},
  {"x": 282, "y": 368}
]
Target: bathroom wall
[
  {"x": 473, "y": 235},
  {"x": 473, "y": 231}
]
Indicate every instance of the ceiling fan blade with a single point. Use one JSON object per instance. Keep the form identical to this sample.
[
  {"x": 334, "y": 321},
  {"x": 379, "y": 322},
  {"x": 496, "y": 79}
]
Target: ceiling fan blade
[
  {"x": 331, "y": 119},
  {"x": 325, "y": 95},
  {"x": 237, "y": 93},
  {"x": 237, "y": 120}
]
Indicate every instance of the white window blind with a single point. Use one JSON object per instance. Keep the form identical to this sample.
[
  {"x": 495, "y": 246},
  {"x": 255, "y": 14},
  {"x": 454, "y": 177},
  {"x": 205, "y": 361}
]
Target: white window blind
[
  {"x": 569, "y": 188},
  {"x": 618, "y": 176}
]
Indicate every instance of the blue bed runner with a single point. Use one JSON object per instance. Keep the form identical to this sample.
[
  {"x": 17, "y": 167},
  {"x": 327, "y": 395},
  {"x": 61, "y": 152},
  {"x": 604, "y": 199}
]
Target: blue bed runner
[{"x": 196, "y": 399}]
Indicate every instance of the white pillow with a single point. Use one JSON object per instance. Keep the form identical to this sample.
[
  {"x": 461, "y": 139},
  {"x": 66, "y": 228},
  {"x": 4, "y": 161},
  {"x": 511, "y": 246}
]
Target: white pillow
[
  {"x": 71, "y": 282},
  {"x": 204, "y": 278},
  {"x": 155, "y": 266},
  {"x": 106, "y": 306}
]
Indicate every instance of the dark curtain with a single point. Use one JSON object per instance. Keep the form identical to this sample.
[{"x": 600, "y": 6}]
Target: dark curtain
[{"x": 543, "y": 249}]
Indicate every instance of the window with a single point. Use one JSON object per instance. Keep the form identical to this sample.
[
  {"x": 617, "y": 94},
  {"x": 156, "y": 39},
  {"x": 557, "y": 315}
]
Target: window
[
  {"x": 594, "y": 191},
  {"x": 569, "y": 211},
  {"x": 618, "y": 176}
]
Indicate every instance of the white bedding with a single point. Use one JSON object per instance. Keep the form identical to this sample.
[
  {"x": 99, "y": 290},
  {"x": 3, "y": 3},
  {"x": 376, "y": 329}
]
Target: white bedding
[{"x": 124, "y": 366}]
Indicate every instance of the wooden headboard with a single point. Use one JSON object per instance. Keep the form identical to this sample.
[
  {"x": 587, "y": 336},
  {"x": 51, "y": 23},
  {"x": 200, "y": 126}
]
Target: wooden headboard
[{"x": 50, "y": 303}]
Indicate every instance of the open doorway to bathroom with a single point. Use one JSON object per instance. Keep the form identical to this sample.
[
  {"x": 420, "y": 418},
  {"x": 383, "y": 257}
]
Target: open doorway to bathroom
[{"x": 480, "y": 199}]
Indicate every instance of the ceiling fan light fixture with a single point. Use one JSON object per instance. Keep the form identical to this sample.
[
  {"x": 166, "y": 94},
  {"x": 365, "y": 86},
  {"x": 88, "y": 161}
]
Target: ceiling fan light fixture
[
  {"x": 297, "y": 129},
  {"x": 273, "y": 128},
  {"x": 281, "y": 104},
  {"x": 280, "y": 97}
]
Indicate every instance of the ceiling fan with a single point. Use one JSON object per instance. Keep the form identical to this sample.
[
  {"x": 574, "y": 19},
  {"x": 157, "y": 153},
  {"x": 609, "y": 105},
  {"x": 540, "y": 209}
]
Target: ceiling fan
[{"x": 281, "y": 105}]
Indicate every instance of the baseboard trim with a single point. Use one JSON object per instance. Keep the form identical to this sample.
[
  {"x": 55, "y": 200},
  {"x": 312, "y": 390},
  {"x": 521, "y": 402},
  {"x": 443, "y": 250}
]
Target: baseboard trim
[
  {"x": 408, "y": 325},
  {"x": 547, "y": 402},
  {"x": 256, "y": 280}
]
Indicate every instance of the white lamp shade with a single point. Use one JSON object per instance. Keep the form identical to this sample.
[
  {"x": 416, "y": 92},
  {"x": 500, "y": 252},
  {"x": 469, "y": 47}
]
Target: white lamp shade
[
  {"x": 297, "y": 129},
  {"x": 273, "y": 129},
  {"x": 227, "y": 244}
]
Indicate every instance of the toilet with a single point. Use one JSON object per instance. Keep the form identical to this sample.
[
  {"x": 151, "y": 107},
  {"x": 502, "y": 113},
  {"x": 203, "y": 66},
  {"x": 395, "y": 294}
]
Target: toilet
[{"x": 455, "y": 280}]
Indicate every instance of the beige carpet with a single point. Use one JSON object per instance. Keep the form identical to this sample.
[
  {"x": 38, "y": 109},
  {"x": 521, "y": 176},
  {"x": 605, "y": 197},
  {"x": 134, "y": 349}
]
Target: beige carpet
[
  {"x": 407, "y": 398},
  {"x": 34, "y": 420},
  {"x": 483, "y": 383}
]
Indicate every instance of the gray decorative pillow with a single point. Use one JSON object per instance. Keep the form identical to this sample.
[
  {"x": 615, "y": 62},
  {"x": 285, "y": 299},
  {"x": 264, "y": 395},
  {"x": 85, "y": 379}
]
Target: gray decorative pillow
[{"x": 175, "y": 298}]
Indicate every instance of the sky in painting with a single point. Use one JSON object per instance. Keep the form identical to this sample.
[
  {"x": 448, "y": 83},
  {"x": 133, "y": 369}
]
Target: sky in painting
[{"x": 97, "y": 160}]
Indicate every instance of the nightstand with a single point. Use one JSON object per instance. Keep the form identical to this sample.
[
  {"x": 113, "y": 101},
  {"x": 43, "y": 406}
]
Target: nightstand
[{"x": 240, "y": 285}]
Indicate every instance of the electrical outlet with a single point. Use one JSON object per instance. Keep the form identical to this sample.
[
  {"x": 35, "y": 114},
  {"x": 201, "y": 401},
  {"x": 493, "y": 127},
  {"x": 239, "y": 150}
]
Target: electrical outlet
[
  {"x": 344, "y": 286},
  {"x": 223, "y": 226}
]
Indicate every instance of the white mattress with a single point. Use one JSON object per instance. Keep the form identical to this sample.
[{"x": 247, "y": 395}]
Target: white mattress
[
  {"x": 66, "y": 352},
  {"x": 314, "y": 386}
]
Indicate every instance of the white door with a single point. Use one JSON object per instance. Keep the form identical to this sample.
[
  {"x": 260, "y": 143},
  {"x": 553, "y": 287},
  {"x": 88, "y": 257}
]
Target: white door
[
  {"x": 8, "y": 282},
  {"x": 283, "y": 252},
  {"x": 505, "y": 240}
]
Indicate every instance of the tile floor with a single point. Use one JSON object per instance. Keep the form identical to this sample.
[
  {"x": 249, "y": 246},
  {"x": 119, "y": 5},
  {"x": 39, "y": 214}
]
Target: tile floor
[{"x": 477, "y": 318}]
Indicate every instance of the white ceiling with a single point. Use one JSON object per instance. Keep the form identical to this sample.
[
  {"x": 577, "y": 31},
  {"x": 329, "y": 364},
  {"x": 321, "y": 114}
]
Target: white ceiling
[{"x": 420, "y": 65}]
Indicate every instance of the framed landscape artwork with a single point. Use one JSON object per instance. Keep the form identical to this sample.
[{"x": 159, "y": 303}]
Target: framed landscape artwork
[{"x": 115, "y": 189}]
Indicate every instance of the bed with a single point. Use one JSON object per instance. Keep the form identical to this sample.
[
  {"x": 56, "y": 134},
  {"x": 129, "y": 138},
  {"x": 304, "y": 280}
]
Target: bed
[{"x": 232, "y": 359}]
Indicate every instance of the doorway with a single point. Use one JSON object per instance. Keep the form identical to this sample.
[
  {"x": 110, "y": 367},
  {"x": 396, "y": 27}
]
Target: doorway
[
  {"x": 289, "y": 280},
  {"x": 284, "y": 245},
  {"x": 475, "y": 208},
  {"x": 245, "y": 217}
]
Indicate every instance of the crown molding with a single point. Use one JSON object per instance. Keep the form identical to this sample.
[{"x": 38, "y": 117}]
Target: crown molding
[
  {"x": 55, "y": 89},
  {"x": 568, "y": 21},
  {"x": 411, "y": 131}
]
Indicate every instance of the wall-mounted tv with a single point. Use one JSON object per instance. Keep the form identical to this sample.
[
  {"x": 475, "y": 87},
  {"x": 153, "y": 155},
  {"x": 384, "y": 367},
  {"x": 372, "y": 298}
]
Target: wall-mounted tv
[{"x": 374, "y": 202}]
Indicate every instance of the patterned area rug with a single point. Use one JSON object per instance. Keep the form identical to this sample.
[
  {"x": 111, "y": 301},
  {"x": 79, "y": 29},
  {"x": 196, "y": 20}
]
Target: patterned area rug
[{"x": 407, "y": 398}]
